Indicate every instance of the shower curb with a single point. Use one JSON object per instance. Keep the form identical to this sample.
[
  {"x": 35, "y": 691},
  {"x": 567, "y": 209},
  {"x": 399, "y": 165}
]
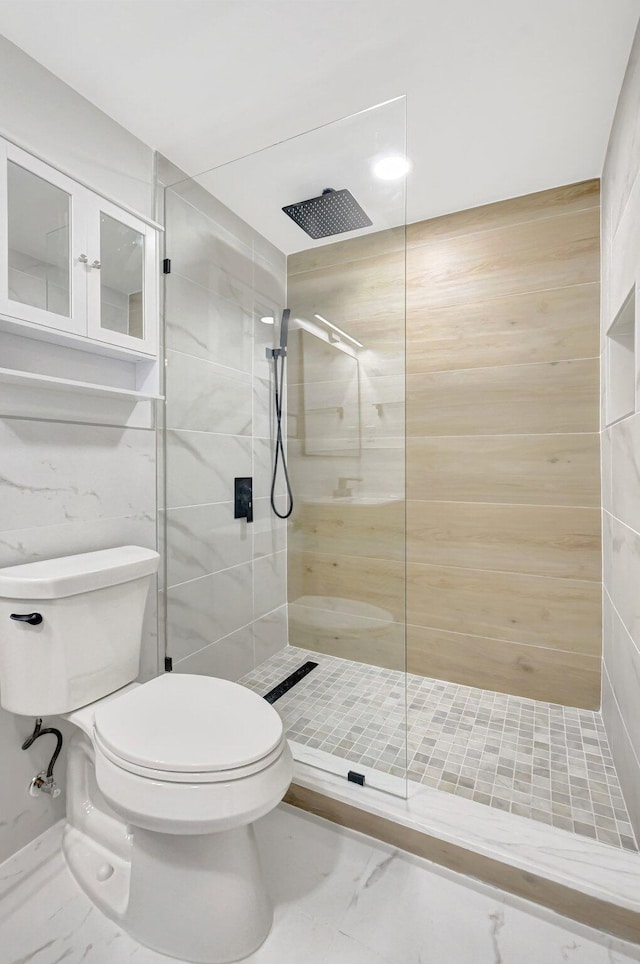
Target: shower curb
[{"x": 574, "y": 876}]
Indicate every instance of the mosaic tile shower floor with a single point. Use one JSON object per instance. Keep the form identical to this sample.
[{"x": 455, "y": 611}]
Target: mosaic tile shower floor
[{"x": 540, "y": 760}]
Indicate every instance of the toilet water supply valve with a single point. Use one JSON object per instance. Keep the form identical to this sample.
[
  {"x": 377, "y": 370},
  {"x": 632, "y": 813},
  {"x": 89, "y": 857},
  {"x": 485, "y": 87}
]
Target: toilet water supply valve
[{"x": 43, "y": 782}]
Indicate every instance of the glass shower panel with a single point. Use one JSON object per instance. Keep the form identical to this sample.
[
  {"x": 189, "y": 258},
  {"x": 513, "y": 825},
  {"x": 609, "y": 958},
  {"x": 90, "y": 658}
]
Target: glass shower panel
[{"x": 314, "y": 224}]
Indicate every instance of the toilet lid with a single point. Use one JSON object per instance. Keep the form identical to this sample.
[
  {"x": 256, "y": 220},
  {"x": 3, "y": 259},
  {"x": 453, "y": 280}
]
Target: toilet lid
[{"x": 183, "y": 724}]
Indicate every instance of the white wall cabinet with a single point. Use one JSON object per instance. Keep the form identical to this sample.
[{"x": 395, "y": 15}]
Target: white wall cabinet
[
  {"x": 78, "y": 297},
  {"x": 71, "y": 261},
  {"x": 121, "y": 280},
  {"x": 43, "y": 223}
]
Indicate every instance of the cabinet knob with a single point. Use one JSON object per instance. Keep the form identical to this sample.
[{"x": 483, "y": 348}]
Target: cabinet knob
[
  {"x": 83, "y": 259},
  {"x": 96, "y": 264}
]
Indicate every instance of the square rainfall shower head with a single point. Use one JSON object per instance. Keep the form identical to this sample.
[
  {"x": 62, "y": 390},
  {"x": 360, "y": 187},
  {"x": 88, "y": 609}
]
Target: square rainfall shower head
[{"x": 333, "y": 212}]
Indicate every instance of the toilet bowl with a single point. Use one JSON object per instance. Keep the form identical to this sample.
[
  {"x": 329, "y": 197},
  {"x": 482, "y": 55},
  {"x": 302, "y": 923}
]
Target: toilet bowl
[
  {"x": 165, "y": 778},
  {"x": 174, "y": 772}
]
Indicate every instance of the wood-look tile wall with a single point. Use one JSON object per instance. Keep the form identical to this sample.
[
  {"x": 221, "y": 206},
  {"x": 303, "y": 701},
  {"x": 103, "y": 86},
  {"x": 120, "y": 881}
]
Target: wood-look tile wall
[
  {"x": 346, "y": 421},
  {"x": 502, "y": 446},
  {"x": 503, "y": 539}
]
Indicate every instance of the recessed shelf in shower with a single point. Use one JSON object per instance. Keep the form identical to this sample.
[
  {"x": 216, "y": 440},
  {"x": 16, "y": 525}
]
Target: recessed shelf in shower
[{"x": 621, "y": 362}]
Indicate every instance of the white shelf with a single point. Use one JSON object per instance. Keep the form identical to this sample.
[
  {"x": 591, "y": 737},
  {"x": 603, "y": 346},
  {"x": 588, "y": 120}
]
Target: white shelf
[
  {"x": 10, "y": 376},
  {"x": 69, "y": 339}
]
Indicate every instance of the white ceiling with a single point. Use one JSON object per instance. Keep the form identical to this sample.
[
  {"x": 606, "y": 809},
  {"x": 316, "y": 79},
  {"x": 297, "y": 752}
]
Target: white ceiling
[
  {"x": 504, "y": 97},
  {"x": 338, "y": 155}
]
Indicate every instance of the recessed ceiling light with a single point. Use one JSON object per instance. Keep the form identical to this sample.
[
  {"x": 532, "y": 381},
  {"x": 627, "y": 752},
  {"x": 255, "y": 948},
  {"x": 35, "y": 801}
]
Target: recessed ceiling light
[
  {"x": 268, "y": 320},
  {"x": 391, "y": 168}
]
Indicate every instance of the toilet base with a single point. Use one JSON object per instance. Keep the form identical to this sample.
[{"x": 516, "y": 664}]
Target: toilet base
[
  {"x": 196, "y": 897},
  {"x": 199, "y": 898}
]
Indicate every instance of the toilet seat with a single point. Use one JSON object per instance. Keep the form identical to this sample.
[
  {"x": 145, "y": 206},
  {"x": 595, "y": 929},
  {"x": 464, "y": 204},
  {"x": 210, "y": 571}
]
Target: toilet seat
[
  {"x": 186, "y": 728},
  {"x": 192, "y": 776},
  {"x": 190, "y": 754}
]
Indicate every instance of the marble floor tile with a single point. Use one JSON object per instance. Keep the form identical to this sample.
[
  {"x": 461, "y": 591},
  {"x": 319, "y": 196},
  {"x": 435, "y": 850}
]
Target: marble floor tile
[
  {"x": 340, "y": 898},
  {"x": 344, "y": 950},
  {"x": 439, "y": 916},
  {"x": 309, "y": 867}
]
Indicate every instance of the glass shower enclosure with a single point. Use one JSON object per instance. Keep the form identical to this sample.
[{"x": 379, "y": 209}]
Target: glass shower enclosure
[{"x": 309, "y": 609}]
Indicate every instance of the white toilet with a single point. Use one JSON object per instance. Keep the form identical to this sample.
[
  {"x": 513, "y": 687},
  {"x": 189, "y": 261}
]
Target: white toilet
[{"x": 165, "y": 778}]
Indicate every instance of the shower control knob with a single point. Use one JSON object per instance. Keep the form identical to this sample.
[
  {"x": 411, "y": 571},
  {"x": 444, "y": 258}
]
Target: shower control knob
[
  {"x": 243, "y": 498},
  {"x": 34, "y": 619}
]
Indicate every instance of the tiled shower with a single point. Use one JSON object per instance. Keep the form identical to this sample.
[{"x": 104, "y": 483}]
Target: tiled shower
[{"x": 442, "y": 564}]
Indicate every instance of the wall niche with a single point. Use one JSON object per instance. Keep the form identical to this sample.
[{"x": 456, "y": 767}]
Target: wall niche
[{"x": 621, "y": 362}]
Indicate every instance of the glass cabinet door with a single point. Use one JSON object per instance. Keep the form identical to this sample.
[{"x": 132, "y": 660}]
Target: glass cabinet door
[
  {"x": 42, "y": 247},
  {"x": 122, "y": 278}
]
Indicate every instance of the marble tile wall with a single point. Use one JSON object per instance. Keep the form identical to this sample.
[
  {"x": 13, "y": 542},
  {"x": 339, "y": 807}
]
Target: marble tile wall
[
  {"x": 68, "y": 486},
  {"x": 621, "y": 446},
  {"x": 226, "y": 603}
]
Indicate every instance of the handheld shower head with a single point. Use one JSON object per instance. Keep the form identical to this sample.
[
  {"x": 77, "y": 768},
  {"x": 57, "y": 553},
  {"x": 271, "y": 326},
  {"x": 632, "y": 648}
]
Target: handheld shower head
[
  {"x": 284, "y": 337},
  {"x": 284, "y": 328},
  {"x": 278, "y": 356}
]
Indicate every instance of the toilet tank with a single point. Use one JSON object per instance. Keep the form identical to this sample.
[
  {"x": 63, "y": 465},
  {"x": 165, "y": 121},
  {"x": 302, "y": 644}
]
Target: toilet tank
[{"x": 83, "y": 635}]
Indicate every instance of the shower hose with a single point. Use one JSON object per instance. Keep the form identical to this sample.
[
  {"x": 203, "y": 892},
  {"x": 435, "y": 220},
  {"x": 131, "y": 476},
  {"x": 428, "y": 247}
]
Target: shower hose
[{"x": 280, "y": 455}]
